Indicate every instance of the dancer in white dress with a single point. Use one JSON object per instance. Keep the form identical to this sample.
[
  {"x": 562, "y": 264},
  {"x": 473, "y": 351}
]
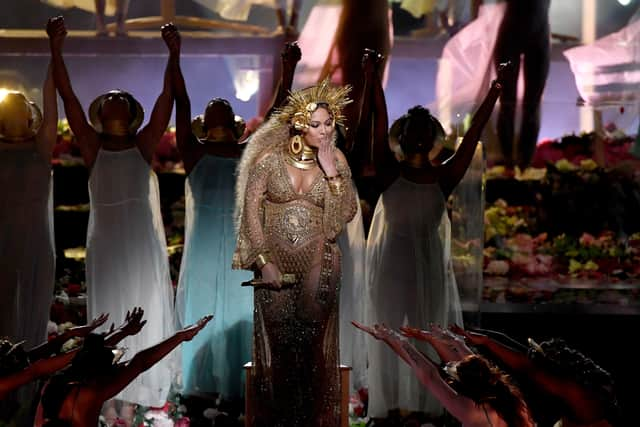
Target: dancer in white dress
[
  {"x": 127, "y": 262},
  {"x": 213, "y": 361},
  {"x": 27, "y": 250},
  {"x": 409, "y": 272},
  {"x": 27, "y": 254}
]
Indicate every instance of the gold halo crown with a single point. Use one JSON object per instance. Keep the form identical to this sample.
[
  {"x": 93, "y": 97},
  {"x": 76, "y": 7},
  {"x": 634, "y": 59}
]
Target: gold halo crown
[{"x": 302, "y": 103}]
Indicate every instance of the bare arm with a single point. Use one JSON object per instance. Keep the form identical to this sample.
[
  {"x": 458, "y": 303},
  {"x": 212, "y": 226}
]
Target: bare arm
[
  {"x": 426, "y": 371},
  {"x": 359, "y": 149},
  {"x": 150, "y": 135},
  {"x": 87, "y": 137},
  {"x": 48, "y": 133},
  {"x": 295, "y": 13},
  {"x": 290, "y": 57},
  {"x": 455, "y": 168},
  {"x": 145, "y": 359},
  {"x": 185, "y": 139},
  {"x": 461, "y": 407},
  {"x": 384, "y": 161},
  {"x": 34, "y": 371},
  {"x": 53, "y": 346}
]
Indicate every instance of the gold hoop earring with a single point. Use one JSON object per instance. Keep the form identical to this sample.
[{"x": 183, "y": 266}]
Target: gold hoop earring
[{"x": 296, "y": 145}]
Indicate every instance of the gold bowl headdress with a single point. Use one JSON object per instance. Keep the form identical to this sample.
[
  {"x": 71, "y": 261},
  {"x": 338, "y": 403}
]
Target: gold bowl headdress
[
  {"x": 302, "y": 103},
  {"x": 9, "y": 105},
  {"x": 137, "y": 112},
  {"x": 219, "y": 133}
]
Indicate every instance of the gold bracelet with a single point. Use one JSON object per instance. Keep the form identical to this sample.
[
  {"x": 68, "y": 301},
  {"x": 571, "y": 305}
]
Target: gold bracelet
[
  {"x": 262, "y": 260},
  {"x": 336, "y": 186}
]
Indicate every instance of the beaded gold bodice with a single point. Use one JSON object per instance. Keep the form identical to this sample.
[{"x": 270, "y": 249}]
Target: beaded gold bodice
[{"x": 291, "y": 226}]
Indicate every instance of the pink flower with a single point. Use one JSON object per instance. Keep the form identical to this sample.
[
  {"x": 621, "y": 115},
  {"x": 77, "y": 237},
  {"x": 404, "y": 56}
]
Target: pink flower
[
  {"x": 183, "y": 422},
  {"x": 522, "y": 243},
  {"x": 497, "y": 268},
  {"x": 587, "y": 239}
]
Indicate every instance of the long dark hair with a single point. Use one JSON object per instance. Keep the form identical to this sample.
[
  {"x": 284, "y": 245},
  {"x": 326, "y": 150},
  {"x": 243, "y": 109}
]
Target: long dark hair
[
  {"x": 561, "y": 360},
  {"x": 94, "y": 359},
  {"x": 486, "y": 384}
]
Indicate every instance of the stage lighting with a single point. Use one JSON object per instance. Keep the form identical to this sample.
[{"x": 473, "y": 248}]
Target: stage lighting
[
  {"x": 624, "y": 2},
  {"x": 3, "y": 93}
]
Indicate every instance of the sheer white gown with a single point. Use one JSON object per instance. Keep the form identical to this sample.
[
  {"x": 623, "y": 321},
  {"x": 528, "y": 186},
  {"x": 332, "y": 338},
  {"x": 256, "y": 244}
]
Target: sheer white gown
[
  {"x": 410, "y": 280},
  {"x": 352, "y": 295},
  {"x": 27, "y": 254},
  {"x": 127, "y": 262}
]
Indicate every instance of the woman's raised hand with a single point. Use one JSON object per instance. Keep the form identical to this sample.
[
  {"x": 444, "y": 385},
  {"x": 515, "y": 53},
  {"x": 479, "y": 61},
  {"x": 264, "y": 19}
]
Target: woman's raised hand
[{"x": 327, "y": 157}]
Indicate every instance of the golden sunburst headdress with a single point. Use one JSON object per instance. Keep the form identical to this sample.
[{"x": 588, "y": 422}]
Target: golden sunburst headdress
[{"x": 302, "y": 103}]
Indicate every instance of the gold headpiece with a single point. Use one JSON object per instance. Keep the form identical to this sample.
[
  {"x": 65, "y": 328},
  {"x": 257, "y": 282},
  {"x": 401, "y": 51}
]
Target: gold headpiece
[
  {"x": 302, "y": 103},
  {"x": 9, "y": 102},
  {"x": 137, "y": 115},
  {"x": 219, "y": 133}
]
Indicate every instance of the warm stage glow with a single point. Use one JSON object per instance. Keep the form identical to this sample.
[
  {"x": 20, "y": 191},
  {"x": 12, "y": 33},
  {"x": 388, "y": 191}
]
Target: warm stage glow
[{"x": 3, "y": 93}]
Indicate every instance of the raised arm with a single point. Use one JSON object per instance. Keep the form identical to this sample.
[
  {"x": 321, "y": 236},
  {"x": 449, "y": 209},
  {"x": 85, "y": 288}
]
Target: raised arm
[
  {"x": 85, "y": 134},
  {"x": 145, "y": 359},
  {"x": 454, "y": 169},
  {"x": 185, "y": 138},
  {"x": 54, "y": 345},
  {"x": 517, "y": 361},
  {"x": 426, "y": 371},
  {"x": 150, "y": 135},
  {"x": 359, "y": 148},
  {"x": 48, "y": 133},
  {"x": 290, "y": 57},
  {"x": 385, "y": 164},
  {"x": 34, "y": 371}
]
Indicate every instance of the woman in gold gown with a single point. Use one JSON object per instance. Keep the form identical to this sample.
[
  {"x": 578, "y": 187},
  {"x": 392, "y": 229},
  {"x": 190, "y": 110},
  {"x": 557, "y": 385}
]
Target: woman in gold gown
[{"x": 294, "y": 195}]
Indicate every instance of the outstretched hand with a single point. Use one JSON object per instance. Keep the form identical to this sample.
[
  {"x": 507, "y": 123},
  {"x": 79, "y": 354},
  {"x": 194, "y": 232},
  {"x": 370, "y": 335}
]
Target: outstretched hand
[
  {"x": 189, "y": 332},
  {"x": 83, "y": 331},
  {"x": 171, "y": 37},
  {"x": 380, "y": 332},
  {"x": 57, "y": 31},
  {"x": 133, "y": 322}
]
